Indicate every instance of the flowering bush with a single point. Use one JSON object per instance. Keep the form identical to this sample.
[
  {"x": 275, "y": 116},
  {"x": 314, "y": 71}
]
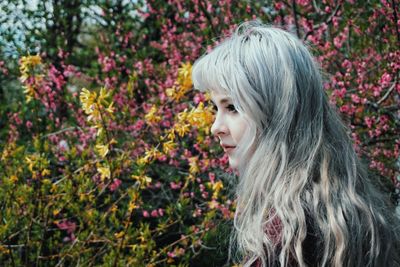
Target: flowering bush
[{"x": 110, "y": 162}]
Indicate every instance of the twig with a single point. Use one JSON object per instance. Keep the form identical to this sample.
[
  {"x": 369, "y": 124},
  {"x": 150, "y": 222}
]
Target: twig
[
  {"x": 327, "y": 21},
  {"x": 295, "y": 18},
  {"x": 62, "y": 130},
  {"x": 387, "y": 93},
  {"x": 207, "y": 15},
  {"x": 395, "y": 21}
]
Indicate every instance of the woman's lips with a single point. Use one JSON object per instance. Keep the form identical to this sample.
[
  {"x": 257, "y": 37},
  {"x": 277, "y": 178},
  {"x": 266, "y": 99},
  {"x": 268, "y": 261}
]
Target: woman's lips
[{"x": 228, "y": 149}]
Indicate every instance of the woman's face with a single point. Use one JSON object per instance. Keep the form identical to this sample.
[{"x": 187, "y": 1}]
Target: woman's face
[{"x": 229, "y": 126}]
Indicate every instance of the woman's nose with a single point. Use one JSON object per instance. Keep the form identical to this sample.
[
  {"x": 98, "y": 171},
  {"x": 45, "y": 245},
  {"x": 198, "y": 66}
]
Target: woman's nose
[{"x": 219, "y": 128}]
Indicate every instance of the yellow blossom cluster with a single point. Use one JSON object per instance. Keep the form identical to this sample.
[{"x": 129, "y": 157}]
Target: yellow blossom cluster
[
  {"x": 98, "y": 107},
  {"x": 38, "y": 165},
  {"x": 135, "y": 201},
  {"x": 93, "y": 104},
  {"x": 27, "y": 63},
  {"x": 185, "y": 76},
  {"x": 29, "y": 92},
  {"x": 183, "y": 84},
  {"x": 216, "y": 187},
  {"x": 149, "y": 156},
  {"x": 104, "y": 171},
  {"x": 151, "y": 117},
  {"x": 144, "y": 180},
  {"x": 103, "y": 149},
  {"x": 193, "y": 166},
  {"x": 26, "y": 67},
  {"x": 201, "y": 117},
  {"x": 168, "y": 146}
]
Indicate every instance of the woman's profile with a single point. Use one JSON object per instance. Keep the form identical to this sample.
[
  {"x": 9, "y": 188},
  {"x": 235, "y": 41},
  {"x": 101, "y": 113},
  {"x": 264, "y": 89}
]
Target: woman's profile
[{"x": 303, "y": 197}]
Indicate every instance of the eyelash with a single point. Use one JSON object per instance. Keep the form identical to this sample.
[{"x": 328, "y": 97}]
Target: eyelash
[{"x": 230, "y": 108}]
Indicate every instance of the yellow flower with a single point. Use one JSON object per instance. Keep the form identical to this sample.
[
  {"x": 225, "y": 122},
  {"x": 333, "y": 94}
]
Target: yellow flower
[
  {"x": 114, "y": 208},
  {"x": 14, "y": 179},
  {"x": 103, "y": 95},
  {"x": 176, "y": 93},
  {"x": 170, "y": 92},
  {"x": 182, "y": 116},
  {"x": 27, "y": 63},
  {"x": 217, "y": 188},
  {"x": 152, "y": 153},
  {"x": 46, "y": 172},
  {"x": 119, "y": 234},
  {"x": 151, "y": 117},
  {"x": 95, "y": 114},
  {"x": 181, "y": 129},
  {"x": 207, "y": 95},
  {"x": 102, "y": 150},
  {"x": 194, "y": 168},
  {"x": 37, "y": 164},
  {"x": 171, "y": 134},
  {"x": 143, "y": 180},
  {"x": 185, "y": 76},
  {"x": 31, "y": 162},
  {"x": 149, "y": 156},
  {"x": 168, "y": 146},
  {"x": 110, "y": 108},
  {"x": 99, "y": 128},
  {"x": 104, "y": 171},
  {"x": 142, "y": 161},
  {"x": 29, "y": 92},
  {"x": 213, "y": 204},
  {"x": 201, "y": 117},
  {"x": 132, "y": 206},
  {"x": 3, "y": 249},
  {"x": 88, "y": 99},
  {"x": 56, "y": 212}
]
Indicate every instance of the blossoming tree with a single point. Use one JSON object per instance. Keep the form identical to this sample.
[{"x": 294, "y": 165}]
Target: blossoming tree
[{"x": 107, "y": 159}]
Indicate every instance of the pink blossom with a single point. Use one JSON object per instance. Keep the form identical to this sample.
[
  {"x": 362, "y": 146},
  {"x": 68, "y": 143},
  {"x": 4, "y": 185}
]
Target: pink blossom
[
  {"x": 66, "y": 225},
  {"x": 115, "y": 184},
  {"x": 211, "y": 176},
  {"x": 202, "y": 187},
  {"x": 355, "y": 98},
  {"x": 278, "y": 6},
  {"x": 385, "y": 80},
  {"x": 28, "y": 124},
  {"x": 175, "y": 186},
  {"x": 154, "y": 214},
  {"x": 197, "y": 212},
  {"x": 347, "y": 64},
  {"x": 146, "y": 214},
  {"x": 369, "y": 121},
  {"x": 160, "y": 212}
]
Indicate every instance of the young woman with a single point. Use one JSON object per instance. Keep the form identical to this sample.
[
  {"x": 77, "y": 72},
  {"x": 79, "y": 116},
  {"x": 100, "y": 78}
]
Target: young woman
[{"x": 303, "y": 197}]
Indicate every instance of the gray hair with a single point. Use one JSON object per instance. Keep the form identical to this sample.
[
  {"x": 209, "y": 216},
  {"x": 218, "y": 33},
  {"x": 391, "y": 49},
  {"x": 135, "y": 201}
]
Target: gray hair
[{"x": 303, "y": 169}]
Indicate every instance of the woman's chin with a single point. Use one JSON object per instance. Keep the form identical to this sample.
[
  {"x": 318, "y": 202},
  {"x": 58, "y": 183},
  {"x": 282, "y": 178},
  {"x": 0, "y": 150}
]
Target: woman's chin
[{"x": 233, "y": 163}]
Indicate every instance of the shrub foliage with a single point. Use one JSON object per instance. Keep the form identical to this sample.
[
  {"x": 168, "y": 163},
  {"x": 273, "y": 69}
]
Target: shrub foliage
[{"x": 106, "y": 153}]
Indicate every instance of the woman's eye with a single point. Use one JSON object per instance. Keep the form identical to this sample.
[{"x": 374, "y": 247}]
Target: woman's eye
[{"x": 231, "y": 108}]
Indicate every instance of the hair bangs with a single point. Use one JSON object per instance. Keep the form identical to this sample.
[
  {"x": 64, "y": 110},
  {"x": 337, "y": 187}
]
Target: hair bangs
[{"x": 212, "y": 72}]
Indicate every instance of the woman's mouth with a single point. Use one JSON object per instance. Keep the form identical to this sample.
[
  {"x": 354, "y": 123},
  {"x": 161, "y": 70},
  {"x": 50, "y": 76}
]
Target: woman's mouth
[{"x": 228, "y": 149}]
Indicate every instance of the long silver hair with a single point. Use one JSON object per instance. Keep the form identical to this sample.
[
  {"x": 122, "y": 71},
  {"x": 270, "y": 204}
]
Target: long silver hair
[{"x": 303, "y": 172}]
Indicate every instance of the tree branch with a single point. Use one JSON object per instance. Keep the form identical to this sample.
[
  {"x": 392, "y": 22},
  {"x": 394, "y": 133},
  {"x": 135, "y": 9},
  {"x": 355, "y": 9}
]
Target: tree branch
[{"x": 295, "y": 18}]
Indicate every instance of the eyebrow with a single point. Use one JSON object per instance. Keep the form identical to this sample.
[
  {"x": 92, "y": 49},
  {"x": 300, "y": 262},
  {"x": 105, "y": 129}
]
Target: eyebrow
[{"x": 223, "y": 100}]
